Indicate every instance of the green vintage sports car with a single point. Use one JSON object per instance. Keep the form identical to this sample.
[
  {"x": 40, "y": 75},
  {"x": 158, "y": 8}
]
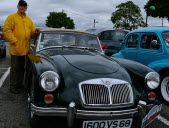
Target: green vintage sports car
[{"x": 76, "y": 83}]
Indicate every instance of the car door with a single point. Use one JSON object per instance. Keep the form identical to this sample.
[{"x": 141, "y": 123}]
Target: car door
[
  {"x": 130, "y": 47},
  {"x": 147, "y": 51}
]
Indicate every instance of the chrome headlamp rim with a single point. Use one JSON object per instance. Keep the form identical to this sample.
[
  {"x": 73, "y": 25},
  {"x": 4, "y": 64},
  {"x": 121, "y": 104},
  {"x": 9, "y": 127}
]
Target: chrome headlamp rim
[
  {"x": 148, "y": 80},
  {"x": 49, "y": 73}
]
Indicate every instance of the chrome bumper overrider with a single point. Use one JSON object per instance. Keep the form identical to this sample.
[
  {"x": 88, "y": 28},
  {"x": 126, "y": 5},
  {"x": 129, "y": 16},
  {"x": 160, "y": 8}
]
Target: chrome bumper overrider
[{"x": 72, "y": 113}]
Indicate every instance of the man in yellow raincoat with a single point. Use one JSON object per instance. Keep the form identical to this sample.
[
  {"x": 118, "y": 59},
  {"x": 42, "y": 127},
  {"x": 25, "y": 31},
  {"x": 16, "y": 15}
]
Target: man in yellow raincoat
[{"x": 18, "y": 30}]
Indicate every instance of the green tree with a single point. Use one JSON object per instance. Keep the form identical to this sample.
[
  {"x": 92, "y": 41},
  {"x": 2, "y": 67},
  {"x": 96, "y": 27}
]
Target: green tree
[
  {"x": 157, "y": 8},
  {"x": 58, "y": 20},
  {"x": 127, "y": 16}
]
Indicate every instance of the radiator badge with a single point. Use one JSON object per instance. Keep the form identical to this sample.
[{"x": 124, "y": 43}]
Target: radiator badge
[{"x": 108, "y": 83}]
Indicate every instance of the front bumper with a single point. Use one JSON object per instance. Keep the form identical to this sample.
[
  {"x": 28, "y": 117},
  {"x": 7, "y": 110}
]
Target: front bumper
[{"x": 72, "y": 113}]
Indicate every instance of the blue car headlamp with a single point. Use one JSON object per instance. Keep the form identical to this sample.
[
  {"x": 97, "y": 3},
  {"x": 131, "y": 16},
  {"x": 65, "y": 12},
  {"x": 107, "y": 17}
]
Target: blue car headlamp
[
  {"x": 49, "y": 81},
  {"x": 152, "y": 80}
]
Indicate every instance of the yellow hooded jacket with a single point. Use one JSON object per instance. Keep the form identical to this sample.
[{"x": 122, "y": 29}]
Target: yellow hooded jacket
[{"x": 18, "y": 30}]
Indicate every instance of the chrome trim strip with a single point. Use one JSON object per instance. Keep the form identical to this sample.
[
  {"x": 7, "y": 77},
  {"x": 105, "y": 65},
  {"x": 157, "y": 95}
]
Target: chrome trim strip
[
  {"x": 48, "y": 111},
  {"x": 71, "y": 112},
  {"x": 106, "y": 114}
]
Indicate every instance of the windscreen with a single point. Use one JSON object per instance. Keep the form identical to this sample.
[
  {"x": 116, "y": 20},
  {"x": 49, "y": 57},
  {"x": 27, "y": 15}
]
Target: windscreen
[{"x": 68, "y": 39}]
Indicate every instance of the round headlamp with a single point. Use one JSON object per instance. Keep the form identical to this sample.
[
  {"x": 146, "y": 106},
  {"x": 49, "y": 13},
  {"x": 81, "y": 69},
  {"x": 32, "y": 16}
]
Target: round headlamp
[
  {"x": 152, "y": 80},
  {"x": 49, "y": 81}
]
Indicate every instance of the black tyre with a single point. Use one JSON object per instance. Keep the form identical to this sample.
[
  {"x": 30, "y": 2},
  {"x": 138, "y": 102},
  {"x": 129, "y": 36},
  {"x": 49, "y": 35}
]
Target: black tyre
[
  {"x": 36, "y": 121},
  {"x": 33, "y": 119},
  {"x": 4, "y": 54},
  {"x": 1, "y": 54}
]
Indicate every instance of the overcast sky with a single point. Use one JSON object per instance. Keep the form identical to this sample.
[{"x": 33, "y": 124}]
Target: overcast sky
[{"x": 83, "y": 12}]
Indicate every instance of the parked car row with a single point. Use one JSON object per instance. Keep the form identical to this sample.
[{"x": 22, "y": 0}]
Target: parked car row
[
  {"x": 1, "y": 33},
  {"x": 75, "y": 82},
  {"x": 149, "y": 46}
]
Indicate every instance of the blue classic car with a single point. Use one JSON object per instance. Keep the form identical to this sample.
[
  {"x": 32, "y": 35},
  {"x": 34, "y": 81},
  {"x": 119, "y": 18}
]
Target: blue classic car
[
  {"x": 81, "y": 87},
  {"x": 149, "y": 46}
]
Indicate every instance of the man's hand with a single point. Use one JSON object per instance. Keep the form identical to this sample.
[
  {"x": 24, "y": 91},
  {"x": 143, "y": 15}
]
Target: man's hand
[
  {"x": 14, "y": 44},
  {"x": 33, "y": 58},
  {"x": 37, "y": 31}
]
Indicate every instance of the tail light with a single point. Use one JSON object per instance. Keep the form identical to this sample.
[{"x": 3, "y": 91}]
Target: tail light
[
  {"x": 103, "y": 45},
  {"x": 152, "y": 96}
]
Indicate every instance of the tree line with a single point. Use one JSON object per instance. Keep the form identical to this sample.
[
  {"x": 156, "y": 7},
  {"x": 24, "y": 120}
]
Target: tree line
[{"x": 127, "y": 15}]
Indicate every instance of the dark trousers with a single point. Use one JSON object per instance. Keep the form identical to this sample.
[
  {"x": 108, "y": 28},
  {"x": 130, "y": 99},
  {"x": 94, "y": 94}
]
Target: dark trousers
[{"x": 17, "y": 71}]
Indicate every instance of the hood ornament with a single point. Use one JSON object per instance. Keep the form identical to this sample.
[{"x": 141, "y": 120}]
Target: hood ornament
[{"x": 106, "y": 82}]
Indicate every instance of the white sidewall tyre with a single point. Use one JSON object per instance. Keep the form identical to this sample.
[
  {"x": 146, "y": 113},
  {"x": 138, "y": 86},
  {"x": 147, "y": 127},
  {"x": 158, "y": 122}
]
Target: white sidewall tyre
[{"x": 165, "y": 89}]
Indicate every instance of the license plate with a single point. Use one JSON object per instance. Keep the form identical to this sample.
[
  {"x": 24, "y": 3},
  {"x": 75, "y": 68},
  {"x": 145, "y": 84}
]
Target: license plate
[{"x": 122, "y": 123}]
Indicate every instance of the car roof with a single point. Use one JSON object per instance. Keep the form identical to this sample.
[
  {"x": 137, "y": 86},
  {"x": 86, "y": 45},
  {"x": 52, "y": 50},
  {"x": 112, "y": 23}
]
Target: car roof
[
  {"x": 151, "y": 29},
  {"x": 64, "y": 30},
  {"x": 98, "y": 30}
]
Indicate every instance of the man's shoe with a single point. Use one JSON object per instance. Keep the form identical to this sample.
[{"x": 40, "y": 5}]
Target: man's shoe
[{"x": 14, "y": 91}]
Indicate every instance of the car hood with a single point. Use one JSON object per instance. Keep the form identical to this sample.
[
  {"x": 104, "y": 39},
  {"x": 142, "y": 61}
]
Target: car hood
[
  {"x": 74, "y": 69},
  {"x": 92, "y": 64}
]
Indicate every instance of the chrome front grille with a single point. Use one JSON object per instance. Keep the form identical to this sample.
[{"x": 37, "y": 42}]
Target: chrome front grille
[
  {"x": 120, "y": 93},
  {"x": 106, "y": 91},
  {"x": 95, "y": 94}
]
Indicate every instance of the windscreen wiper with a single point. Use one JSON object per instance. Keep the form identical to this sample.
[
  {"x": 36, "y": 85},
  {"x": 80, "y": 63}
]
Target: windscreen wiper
[{"x": 80, "y": 47}]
